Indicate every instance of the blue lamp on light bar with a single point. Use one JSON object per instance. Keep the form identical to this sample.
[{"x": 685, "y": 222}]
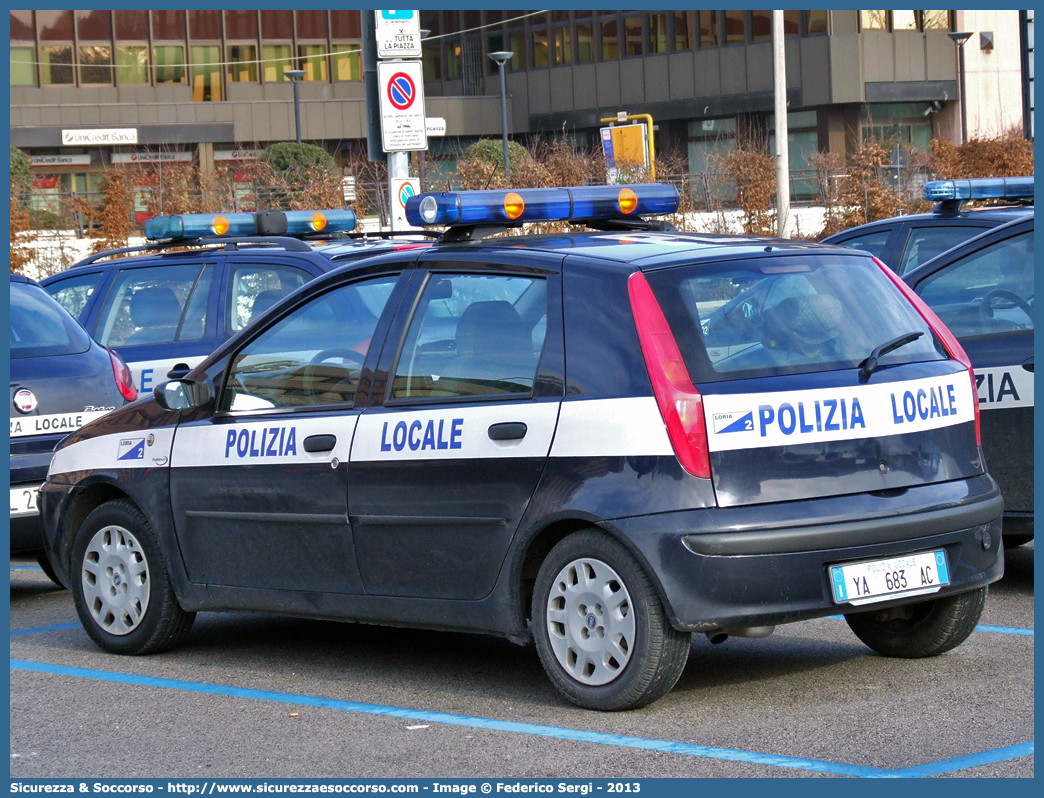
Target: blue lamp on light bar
[
  {"x": 979, "y": 188},
  {"x": 200, "y": 225},
  {"x": 541, "y": 204}
]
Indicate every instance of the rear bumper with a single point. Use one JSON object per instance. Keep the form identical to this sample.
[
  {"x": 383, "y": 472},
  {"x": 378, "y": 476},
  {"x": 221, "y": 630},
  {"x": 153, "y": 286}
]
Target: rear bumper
[{"x": 768, "y": 564}]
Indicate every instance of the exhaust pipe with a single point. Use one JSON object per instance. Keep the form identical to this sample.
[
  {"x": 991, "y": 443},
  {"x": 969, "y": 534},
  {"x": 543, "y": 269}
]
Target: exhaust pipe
[{"x": 719, "y": 636}]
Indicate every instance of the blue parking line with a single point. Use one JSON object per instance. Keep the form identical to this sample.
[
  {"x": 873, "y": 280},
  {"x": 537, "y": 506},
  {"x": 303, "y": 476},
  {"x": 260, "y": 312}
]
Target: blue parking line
[
  {"x": 1004, "y": 630},
  {"x": 44, "y": 629},
  {"x": 576, "y": 735},
  {"x": 25, "y": 567}
]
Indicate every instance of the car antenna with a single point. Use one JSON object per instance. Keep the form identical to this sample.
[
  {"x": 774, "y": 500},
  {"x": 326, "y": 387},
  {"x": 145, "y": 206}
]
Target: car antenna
[{"x": 495, "y": 167}]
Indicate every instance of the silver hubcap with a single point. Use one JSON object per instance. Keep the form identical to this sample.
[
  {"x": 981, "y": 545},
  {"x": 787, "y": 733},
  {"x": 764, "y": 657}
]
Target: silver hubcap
[
  {"x": 590, "y": 621},
  {"x": 116, "y": 580}
]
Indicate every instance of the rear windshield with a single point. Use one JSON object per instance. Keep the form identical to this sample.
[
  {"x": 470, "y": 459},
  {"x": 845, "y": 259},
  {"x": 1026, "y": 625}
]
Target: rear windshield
[
  {"x": 41, "y": 327},
  {"x": 786, "y": 315}
]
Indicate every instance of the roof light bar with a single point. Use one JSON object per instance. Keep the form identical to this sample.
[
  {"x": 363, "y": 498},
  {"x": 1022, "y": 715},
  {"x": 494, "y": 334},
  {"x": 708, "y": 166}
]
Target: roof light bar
[
  {"x": 541, "y": 204},
  {"x": 265, "y": 223},
  {"x": 330, "y": 221},
  {"x": 979, "y": 188}
]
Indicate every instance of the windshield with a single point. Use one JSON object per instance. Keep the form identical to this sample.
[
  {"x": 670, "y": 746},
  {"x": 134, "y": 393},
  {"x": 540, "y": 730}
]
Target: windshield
[
  {"x": 786, "y": 315},
  {"x": 41, "y": 327}
]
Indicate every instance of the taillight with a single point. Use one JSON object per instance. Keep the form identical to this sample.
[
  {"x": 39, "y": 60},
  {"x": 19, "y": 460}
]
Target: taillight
[
  {"x": 680, "y": 403},
  {"x": 124, "y": 380},
  {"x": 950, "y": 343}
]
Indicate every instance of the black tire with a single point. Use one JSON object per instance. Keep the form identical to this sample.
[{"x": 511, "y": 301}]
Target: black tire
[
  {"x": 1013, "y": 540},
  {"x": 924, "y": 629},
  {"x": 45, "y": 566},
  {"x": 659, "y": 652},
  {"x": 162, "y": 624}
]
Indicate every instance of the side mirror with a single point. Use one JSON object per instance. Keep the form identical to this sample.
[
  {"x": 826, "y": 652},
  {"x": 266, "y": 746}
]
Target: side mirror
[{"x": 183, "y": 394}]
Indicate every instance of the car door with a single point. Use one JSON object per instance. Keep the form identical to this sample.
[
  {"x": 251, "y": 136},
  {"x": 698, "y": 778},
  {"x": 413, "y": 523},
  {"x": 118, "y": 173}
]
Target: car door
[
  {"x": 463, "y": 411},
  {"x": 985, "y": 296},
  {"x": 258, "y": 488},
  {"x": 160, "y": 315}
]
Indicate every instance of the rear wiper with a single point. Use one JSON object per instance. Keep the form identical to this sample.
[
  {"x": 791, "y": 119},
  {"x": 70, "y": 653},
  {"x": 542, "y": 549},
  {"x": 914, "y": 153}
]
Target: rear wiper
[{"x": 867, "y": 366}]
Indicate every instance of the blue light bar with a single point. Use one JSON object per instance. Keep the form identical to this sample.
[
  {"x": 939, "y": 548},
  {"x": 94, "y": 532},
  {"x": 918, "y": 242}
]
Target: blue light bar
[
  {"x": 542, "y": 204},
  {"x": 979, "y": 188},
  {"x": 308, "y": 222},
  {"x": 199, "y": 225}
]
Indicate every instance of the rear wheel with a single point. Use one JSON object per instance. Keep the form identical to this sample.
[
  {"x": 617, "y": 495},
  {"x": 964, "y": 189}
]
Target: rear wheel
[
  {"x": 924, "y": 629},
  {"x": 121, "y": 586},
  {"x": 601, "y": 630}
]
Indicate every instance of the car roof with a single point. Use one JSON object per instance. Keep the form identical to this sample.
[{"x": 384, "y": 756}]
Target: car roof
[
  {"x": 999, "y": 214},
  {"x": 21, "y": 278},
  {"x": 1014, "y": 227}
]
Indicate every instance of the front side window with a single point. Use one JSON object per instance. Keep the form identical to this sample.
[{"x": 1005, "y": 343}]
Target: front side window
[
  {"x": 74, "y": 292},
  {"x": 473, "y": 335},
  {"x": 788, "y": 315},
  {"x": 156, "y": 305},
  {"x": 254, "y": 289},
  {"x": 989, "y": 292},
  {"x": 314, "y": 355}
]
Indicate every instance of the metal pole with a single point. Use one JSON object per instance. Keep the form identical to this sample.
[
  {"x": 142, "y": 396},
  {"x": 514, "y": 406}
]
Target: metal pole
[
  {"x": 398, "y": 166},
  {"x": 297, "y": 112},
  {"x": 779, "y": 59},
  {"x": 964, "y": 102},
  {"x": 504, "y": 122}
]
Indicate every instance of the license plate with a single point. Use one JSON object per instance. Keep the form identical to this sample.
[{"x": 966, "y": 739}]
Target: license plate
[
  {"x": 23, "y": 500},
  {"x": 880, "y": 580}
]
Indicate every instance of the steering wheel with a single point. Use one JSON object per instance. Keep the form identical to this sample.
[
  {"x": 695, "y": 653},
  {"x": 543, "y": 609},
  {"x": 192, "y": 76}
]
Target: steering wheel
[
  {"x": 986, "y": 303},
  {"x": 338, "y": 351}
]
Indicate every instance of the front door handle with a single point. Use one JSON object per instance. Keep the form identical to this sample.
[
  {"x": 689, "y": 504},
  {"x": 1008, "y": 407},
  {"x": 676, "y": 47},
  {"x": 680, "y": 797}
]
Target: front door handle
[
  {"x": 508, "y": 431},
  {"x": 320, "y": 443},
  {"x": 1028, "y": 364}
]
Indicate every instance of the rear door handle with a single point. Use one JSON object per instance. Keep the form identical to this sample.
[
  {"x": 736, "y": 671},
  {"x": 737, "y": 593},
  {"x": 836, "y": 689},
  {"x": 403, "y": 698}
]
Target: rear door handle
[
  {"x": 508, "y": 431},
  {"x": 320, "y": 443}
]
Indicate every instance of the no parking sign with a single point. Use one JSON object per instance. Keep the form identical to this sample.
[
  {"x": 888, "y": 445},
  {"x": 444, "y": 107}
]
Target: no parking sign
[
  {"x": 401, "y": 86},
  {"x": 402, "y": 189}
]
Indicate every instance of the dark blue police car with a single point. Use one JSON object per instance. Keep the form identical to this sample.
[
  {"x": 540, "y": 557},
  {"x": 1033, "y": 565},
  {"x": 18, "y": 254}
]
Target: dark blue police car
[
  {"x": 204, "y": 277},
  {"x": 60, "y": 380},
  {"x": 906, "y": 242},
  {"x": 531, "y": 437}
]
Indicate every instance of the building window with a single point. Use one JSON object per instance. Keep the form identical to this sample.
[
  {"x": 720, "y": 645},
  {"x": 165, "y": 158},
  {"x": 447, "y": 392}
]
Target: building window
[
  {"x": 54, "y": 26},
  {"x": 206, "y": 73},
  {"x": 790, "y": 23},
  {"x": 132, "y": 64},
  {"x": 904, "y": 20},
  {"x": 563, "y": 46},
  {"x": 735, "y": 27},
  {"x": 313, "y": 61},
  {"x": 168, "y": 25},
  {"x": 494, "y": 44},
  {"x": 56, "y": 65},
  {"x": 682, "y": 30},
  {"x": 658, "y": 33},
  {"x": 936, "y": 20},
  {"x": 205, "y": 24},
  {"x": 873, "y": 20},
  {"x": 761, "y": 25},
  {"x": 242, "y": 63},
  {"x": 633, "y": 36},
  {"x": 276, "y": 25},
  {"x": 170, "y": 63},
  {"x": 132, "y": 25},
  {"x": 610, "y": 40},
  {"x": 240, "y": 25},
  {"x": 584, "y": 43},
  {"x": 310, "y": 24},
  {"x": 708, "y": 29},
  {"x": 93, "y": 26},
  {"x": 23, "y": 70},
  {"x": 454, "y": 60},
  {"x": 22, "y": 26},
  {"x": 815, "y": 22},
  {"x": 432, "y": 60},
  {"x": 276, "y": 60},
  {"x": 517, "y": 45},
  {"x": 710, "y": 140},
  {"x": 539, "y": 39},
  {"x": 347, "y": 62}
]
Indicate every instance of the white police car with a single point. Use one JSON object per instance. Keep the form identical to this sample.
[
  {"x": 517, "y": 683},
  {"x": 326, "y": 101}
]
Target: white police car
[
  {"x": 203, "y": 277},
  {"x": 530, "y": 437}
]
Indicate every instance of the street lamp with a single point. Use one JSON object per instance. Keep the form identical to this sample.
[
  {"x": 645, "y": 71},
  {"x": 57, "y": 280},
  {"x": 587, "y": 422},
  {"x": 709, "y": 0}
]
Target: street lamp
[
  {"x": 296, "y": 75},
  {"x": 502, "y": 57},
  {"x": 960, "y": 37}
]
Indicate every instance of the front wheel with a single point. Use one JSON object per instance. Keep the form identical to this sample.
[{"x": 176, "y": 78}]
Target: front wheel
[
  {"x": 600, "y": 628},
  {"x": 121, "y": 586},
  {"x": 924, "y": 629}
]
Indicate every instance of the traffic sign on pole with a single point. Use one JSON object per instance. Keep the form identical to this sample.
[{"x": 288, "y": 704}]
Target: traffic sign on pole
[
  {"x": 398, "y": 34},
  {"x": 402, "y": 188},
  {"x": 401, "y": 85}
]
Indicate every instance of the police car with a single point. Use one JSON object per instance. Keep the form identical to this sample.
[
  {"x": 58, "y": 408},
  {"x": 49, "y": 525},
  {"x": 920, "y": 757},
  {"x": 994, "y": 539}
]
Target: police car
[
  {"x": 60, "y": 380},
  {"x": 530, "y": 437},
  {"x": 905, "y": 242},
  {"x": 202, "y": 279},
  {"x": 983, "y": 291}
]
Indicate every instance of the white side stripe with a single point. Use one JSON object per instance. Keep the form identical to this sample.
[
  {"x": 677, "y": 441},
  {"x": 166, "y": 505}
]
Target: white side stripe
[
  {"x": 1004, "y": 387},
  {"x": 24, "y": 426},
  {"x": 628, "y": 427},
  {"x": 149, "y": 448},
  {"x": 147, "y": 374},
  {"x": 261, "y": 441}
]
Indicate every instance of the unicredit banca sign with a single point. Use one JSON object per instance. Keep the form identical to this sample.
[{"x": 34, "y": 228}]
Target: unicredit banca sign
[{"x": 81, "y": 138}]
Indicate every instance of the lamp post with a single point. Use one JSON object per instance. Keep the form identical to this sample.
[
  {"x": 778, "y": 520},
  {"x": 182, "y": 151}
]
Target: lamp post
[
  {"x": 960, "y": 37},
  {"x": 296, "y": 75},
  {"x": 502, "y": 57}
]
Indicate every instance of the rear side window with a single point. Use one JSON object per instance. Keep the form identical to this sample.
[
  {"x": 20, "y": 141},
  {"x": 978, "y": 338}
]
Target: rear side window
[
  {"x": 254, "y": 289},
  {"x": 156, "y": 305},
  {"x": 473, "y": 335},
  {"x": 787, "y": 315},
  {"x": 874, "y": 242},
  {"x": 40, "y": 327},
  {"x": 925, "y": 243},
  {"x": 73, "y": 293}
]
